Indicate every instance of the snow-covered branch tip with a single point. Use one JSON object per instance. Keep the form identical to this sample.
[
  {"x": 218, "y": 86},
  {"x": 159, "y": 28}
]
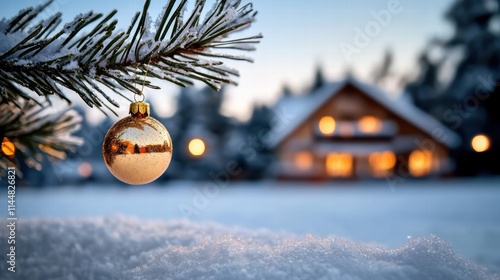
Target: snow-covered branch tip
[
  {"x": 38, "y": 57},
  {"x": 36, "y": 133}
]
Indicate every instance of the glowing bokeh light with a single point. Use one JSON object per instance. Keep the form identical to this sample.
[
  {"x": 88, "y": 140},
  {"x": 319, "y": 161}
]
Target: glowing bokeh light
[
  {"x": 303, "y": 160},
  {"x": 480, "y": 143},
  {"x": 8, "y": 147},
  {"x": 369, "y": 125},
  {"x": 326, "y": 125},
  {"x": 196, "y": 147}
]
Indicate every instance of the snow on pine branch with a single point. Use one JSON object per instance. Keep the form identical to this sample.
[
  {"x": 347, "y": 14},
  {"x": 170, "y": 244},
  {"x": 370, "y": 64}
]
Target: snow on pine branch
[
  {"x": 36, "y": 56},
  {"x": 37, "y": 130},
  {"x": 128, "y": 248}
]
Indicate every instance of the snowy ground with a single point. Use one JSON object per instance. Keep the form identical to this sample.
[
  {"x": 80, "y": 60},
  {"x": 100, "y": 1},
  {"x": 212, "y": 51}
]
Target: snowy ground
[{"x": 261, "y": 231}]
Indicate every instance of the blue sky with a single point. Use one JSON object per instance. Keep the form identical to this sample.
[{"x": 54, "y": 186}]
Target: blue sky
[{"x": 298, "y": 35}]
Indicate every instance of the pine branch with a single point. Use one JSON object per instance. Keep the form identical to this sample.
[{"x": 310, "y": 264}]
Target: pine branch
[
  {"x": 37, "y": 133},
  {"x": 42, "y": 58},
  {"x": 34, "y": 57}
]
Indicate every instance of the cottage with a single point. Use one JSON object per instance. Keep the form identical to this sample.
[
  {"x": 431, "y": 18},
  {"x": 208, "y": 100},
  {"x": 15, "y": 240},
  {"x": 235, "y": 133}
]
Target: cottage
[{"x": 350, "y": 129}]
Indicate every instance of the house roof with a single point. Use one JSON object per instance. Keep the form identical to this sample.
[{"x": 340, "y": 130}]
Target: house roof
[{"x": 300, "y": 108}]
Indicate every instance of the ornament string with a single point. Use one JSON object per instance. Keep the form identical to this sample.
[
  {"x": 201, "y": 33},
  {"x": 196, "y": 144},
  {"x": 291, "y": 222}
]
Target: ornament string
[{"x": 144, "y": 82}]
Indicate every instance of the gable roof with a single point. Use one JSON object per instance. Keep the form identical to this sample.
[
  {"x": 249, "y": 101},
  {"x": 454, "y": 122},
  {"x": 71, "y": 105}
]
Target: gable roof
[{"x": 302, "y": 107}]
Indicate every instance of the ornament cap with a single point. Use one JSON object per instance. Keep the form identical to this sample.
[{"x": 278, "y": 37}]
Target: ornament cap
[{"x": 139, "y": 109}]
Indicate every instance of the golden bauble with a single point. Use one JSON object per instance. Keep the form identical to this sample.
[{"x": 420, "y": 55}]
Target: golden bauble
[{"x": 137, "y": 149}]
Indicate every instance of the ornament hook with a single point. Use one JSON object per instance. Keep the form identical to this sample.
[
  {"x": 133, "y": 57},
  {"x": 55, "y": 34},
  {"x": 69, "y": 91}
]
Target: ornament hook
[{"x": 139, "y": 94}]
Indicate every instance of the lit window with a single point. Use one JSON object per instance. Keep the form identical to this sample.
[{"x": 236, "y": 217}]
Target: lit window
[
  {"x": 381, "y": 163},
  {"x": 339, "y": 164},
  {"x": 420, "y": 163},
  {"x": 369, "y": 125},
  {"x": 303, "y": 160},
  {"x": 327, "y": 125},
  {"x": 480, "y": 143},
  {"x": 196, "y": 147}
]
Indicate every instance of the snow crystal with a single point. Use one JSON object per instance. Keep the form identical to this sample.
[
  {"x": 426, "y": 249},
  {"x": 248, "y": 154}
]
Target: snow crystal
[
  {"x": 7, "y": 41},
  {"x": 3, "y": 25},
  {"x": 245, "y": 47},
  {"x": 160, "y": 16},
  {"x": 188, "y": 38},
  {"x": 148, "y": 34},
  {"x": 72, "y": 65},
  {"x": 119, "y": 74},
  {"x": 92, "y": 72},
  {"x": 23, "y": 62},
  {"x": 71, "y": 26},
  {"x": 128, "y": 248}
]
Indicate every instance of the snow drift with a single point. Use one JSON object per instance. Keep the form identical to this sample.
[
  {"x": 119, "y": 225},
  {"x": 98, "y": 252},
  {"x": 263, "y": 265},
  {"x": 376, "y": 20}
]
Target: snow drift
[{"x": 129, "y": 248}]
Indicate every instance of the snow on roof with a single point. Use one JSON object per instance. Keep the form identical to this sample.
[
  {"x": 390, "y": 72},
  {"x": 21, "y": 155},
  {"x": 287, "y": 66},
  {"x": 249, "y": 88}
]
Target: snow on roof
[{"x": 302, "y": 107}]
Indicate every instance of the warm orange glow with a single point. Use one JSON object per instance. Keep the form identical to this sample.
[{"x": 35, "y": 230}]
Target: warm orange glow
[
  {"x": 196, "y": 147},
  {"x": 303, "y": 160},
  {"x": 381, "y": 163},
  {"x": 85, "y": 169},
  {"x": 327, "y": 125},
  {"x": 420, "y": 163},
  {"x": 339, "y": 164},
  {"x": 480, "y": 143},
  {"x": 8, "y": 147},
  {"x": 369, "y": 125}
]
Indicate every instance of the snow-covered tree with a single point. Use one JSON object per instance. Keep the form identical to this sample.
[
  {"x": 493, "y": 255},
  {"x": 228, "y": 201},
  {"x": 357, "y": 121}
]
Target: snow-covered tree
[
  {"x": 425, "y": 91},
  {"x": 286, "y": 91},
  {"x": 468, "y": 99},
  {"x": 383, "y": 71},
  {"x": 88, "y": 56},
  {"x": 255, "y": 155},
  {"x": 199, "y": 115},
  {"x": 319, "y": 79}
]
